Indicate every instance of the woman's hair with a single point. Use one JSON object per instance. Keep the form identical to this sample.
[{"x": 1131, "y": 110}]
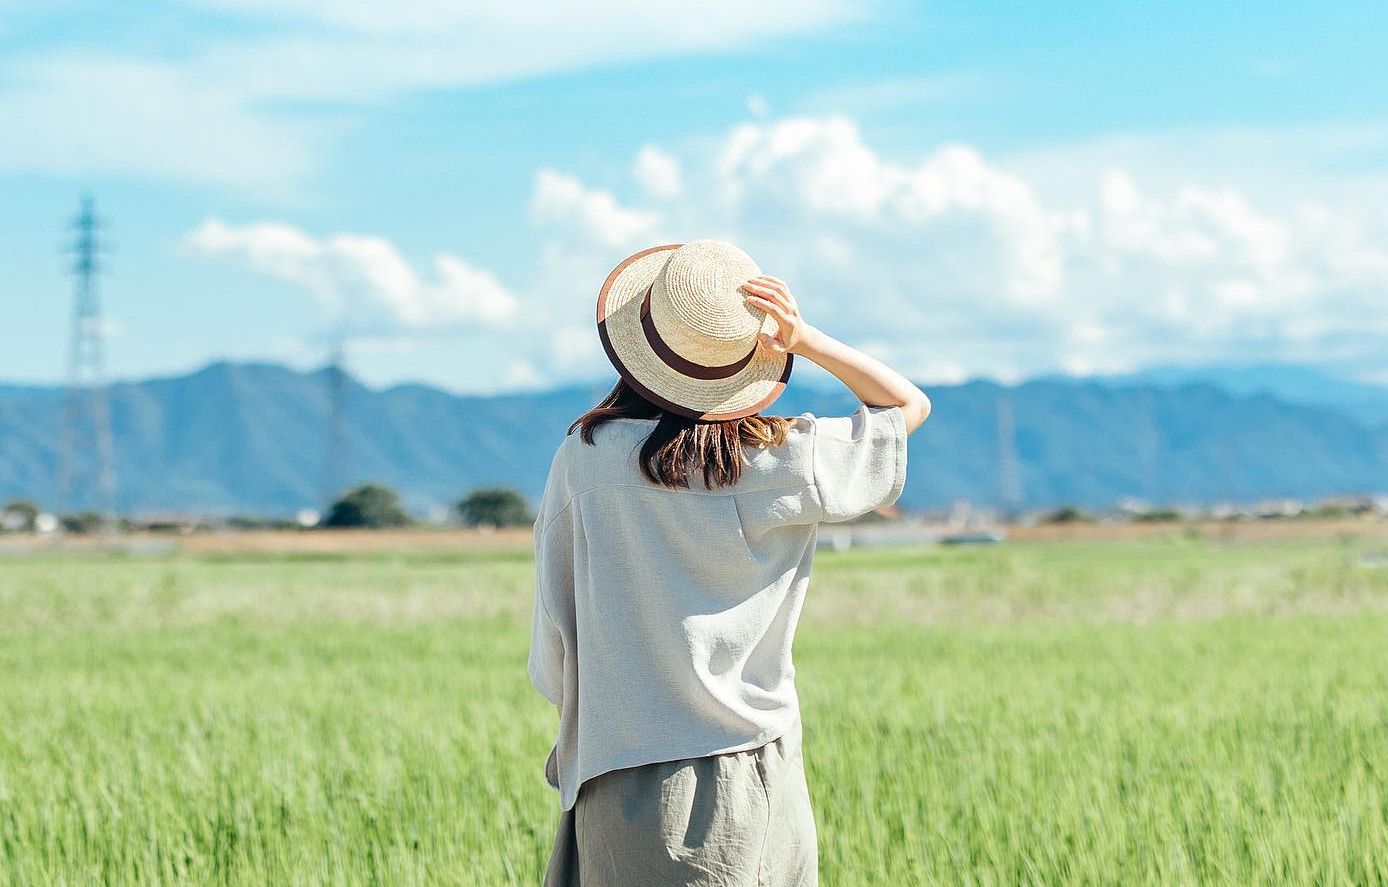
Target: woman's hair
[{"x": 678, "y": 445}]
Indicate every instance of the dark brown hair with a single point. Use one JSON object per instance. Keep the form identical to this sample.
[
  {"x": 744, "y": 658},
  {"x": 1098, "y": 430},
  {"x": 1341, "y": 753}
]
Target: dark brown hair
[{"x": 678, "y": 445}]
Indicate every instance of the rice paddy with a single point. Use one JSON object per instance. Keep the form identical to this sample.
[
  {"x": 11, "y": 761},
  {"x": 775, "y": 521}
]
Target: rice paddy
[{"x": 1161, "y": 711}]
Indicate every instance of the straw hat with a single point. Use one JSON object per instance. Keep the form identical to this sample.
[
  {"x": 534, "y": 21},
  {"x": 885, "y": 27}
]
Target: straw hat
[{"x": 675, "y": 325}]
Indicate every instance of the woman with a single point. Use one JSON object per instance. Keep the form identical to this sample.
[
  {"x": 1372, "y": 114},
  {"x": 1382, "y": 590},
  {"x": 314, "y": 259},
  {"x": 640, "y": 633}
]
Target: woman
[{"x": 673, "y": 551}]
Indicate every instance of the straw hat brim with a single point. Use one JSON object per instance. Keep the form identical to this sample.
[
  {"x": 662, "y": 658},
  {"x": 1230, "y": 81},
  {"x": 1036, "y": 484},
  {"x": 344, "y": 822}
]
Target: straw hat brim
[{"x": 748, "y": 391}]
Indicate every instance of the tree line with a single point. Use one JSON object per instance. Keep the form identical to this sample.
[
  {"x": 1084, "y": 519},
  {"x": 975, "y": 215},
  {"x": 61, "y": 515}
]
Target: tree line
[
  {"x": 377, "y": 506},
  {"x": 369, "y": 506}
]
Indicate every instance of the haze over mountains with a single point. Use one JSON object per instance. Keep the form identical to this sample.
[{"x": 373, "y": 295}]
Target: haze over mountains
[{"x": 248, "y": 438}]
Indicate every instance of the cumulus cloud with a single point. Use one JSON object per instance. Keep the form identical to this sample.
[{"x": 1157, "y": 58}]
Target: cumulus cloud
[
  {"x": 564, "y": 205},
  {"x": 955, "y": 265},
  {"x": 823, "y": 171},
  {"x": 949, "y": 263},
  {"x": 362, "y": 279}
]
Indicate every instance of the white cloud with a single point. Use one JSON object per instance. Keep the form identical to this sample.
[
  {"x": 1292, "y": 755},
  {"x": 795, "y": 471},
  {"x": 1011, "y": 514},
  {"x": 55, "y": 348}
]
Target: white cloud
[
  {"x": 598, "y": 28},
  {"x": 824, "y": 170},
  {"x": 758, "y": 106},
  {"x": 72, "y": 115},
  {"x": 1282, "y": 165},
  {"x": 521, "y": 373},
  {"x": 210, "y": 107},
  {"x": 565, "y": 205},
  {"x": 575, "y": 347},
  {"x": 954, "y": 265},
  {"x": 898, "y": 92},
  {"x": 362, "y": 280},
  {"x": 657, "y": 173}
]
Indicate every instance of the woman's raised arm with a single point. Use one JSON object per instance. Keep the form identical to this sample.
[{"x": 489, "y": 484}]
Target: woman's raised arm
[{"x": 875, "y": 383}]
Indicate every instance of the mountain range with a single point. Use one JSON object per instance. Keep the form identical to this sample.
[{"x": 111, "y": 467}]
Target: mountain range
[
  {"x": 1294, "y": 383},
  {"x": 249, "y": 438}
]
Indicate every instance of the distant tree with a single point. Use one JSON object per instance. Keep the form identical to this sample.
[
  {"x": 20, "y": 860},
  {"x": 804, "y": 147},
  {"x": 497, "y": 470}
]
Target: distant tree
[
  {"x": 1066, "y": 514},
  {"x": 496, "y": 506},
  {"x": 19, "y": 515},
  {"x": 1159, "y": 516},
  {"x": 1325, "y": 512},
  {"x": 370, "y": 505},
  {"x": 82, "y": 522}
]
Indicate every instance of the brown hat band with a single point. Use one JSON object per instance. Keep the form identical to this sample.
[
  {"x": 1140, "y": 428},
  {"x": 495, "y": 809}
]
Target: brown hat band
[{"x": 677, "y": 363}]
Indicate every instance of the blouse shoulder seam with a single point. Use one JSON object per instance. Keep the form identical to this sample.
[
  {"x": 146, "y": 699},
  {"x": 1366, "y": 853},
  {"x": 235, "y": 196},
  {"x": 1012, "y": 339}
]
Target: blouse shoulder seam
[{"x": 558, "y": 514}]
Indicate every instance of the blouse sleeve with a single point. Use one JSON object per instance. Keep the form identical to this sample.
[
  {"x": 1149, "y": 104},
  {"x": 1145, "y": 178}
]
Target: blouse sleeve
[
  {"x": 546, "y": 662},
  {"x": 546, "y": 665},
  {"x": 859, "y": 461},
  {"x": 553, "y": 585}
]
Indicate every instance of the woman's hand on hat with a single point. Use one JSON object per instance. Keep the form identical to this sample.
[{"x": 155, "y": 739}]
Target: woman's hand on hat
[{"x": 772, "y": 295}]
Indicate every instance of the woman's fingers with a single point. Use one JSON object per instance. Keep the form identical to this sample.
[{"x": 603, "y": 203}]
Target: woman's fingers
[
  {"x": 777, "y": 286},
  {"x": 773, "y": 296},
  {"x": 755, "y": 289},
  {"x": 772, "y": 342},
  {"x": 772, "y": 283},
  {"x": 767, "y": 292},
  {"x": 782, "y": 316}
]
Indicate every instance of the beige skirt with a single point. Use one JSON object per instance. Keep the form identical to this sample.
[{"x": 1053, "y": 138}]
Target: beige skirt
[{"x": 741, "y": 818}]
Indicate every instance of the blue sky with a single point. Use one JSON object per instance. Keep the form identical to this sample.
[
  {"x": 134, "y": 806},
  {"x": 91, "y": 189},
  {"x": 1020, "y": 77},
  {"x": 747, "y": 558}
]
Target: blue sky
[{"x": 964, "y": 189}]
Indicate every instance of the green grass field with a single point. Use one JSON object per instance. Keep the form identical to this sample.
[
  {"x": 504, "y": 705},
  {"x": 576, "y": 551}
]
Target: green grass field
[{"x": 1157, "y": 712}]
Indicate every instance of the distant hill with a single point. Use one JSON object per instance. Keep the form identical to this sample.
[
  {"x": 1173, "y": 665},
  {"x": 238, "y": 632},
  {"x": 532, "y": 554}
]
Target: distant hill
[
  {"x": 248, "y": 438},
  {"x": 1294, "y": 383}
]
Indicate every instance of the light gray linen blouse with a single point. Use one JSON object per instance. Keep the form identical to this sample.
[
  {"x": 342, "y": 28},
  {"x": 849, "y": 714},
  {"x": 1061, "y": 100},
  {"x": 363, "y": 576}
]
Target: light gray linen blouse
[{"x": 664, "y": 618}]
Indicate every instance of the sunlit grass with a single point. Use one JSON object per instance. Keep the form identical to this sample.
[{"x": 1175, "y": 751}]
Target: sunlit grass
[{"x": 1161, "y": 712}]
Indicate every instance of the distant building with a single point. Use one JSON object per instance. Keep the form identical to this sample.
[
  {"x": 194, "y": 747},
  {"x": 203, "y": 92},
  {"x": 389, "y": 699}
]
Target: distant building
[
  {"x": 1355, "y": 505},
  {"x": 1270, "y": 509}
]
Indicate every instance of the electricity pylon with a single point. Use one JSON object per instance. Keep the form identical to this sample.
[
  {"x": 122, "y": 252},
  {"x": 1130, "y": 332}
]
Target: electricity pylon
[{"x": 87, "y": 469}]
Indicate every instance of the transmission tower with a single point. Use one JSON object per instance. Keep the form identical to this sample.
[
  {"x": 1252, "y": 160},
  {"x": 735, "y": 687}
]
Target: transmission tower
[{"x": 87, "y": 470}]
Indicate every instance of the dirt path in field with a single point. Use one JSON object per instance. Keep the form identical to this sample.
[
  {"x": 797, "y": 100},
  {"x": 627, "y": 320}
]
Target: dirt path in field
[
  {"x": 1223, "y": 531},
  {"x": 344, "y": 541},
  {"x": 348, "y": 541},
  {"x": 273, "y": 541}
]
